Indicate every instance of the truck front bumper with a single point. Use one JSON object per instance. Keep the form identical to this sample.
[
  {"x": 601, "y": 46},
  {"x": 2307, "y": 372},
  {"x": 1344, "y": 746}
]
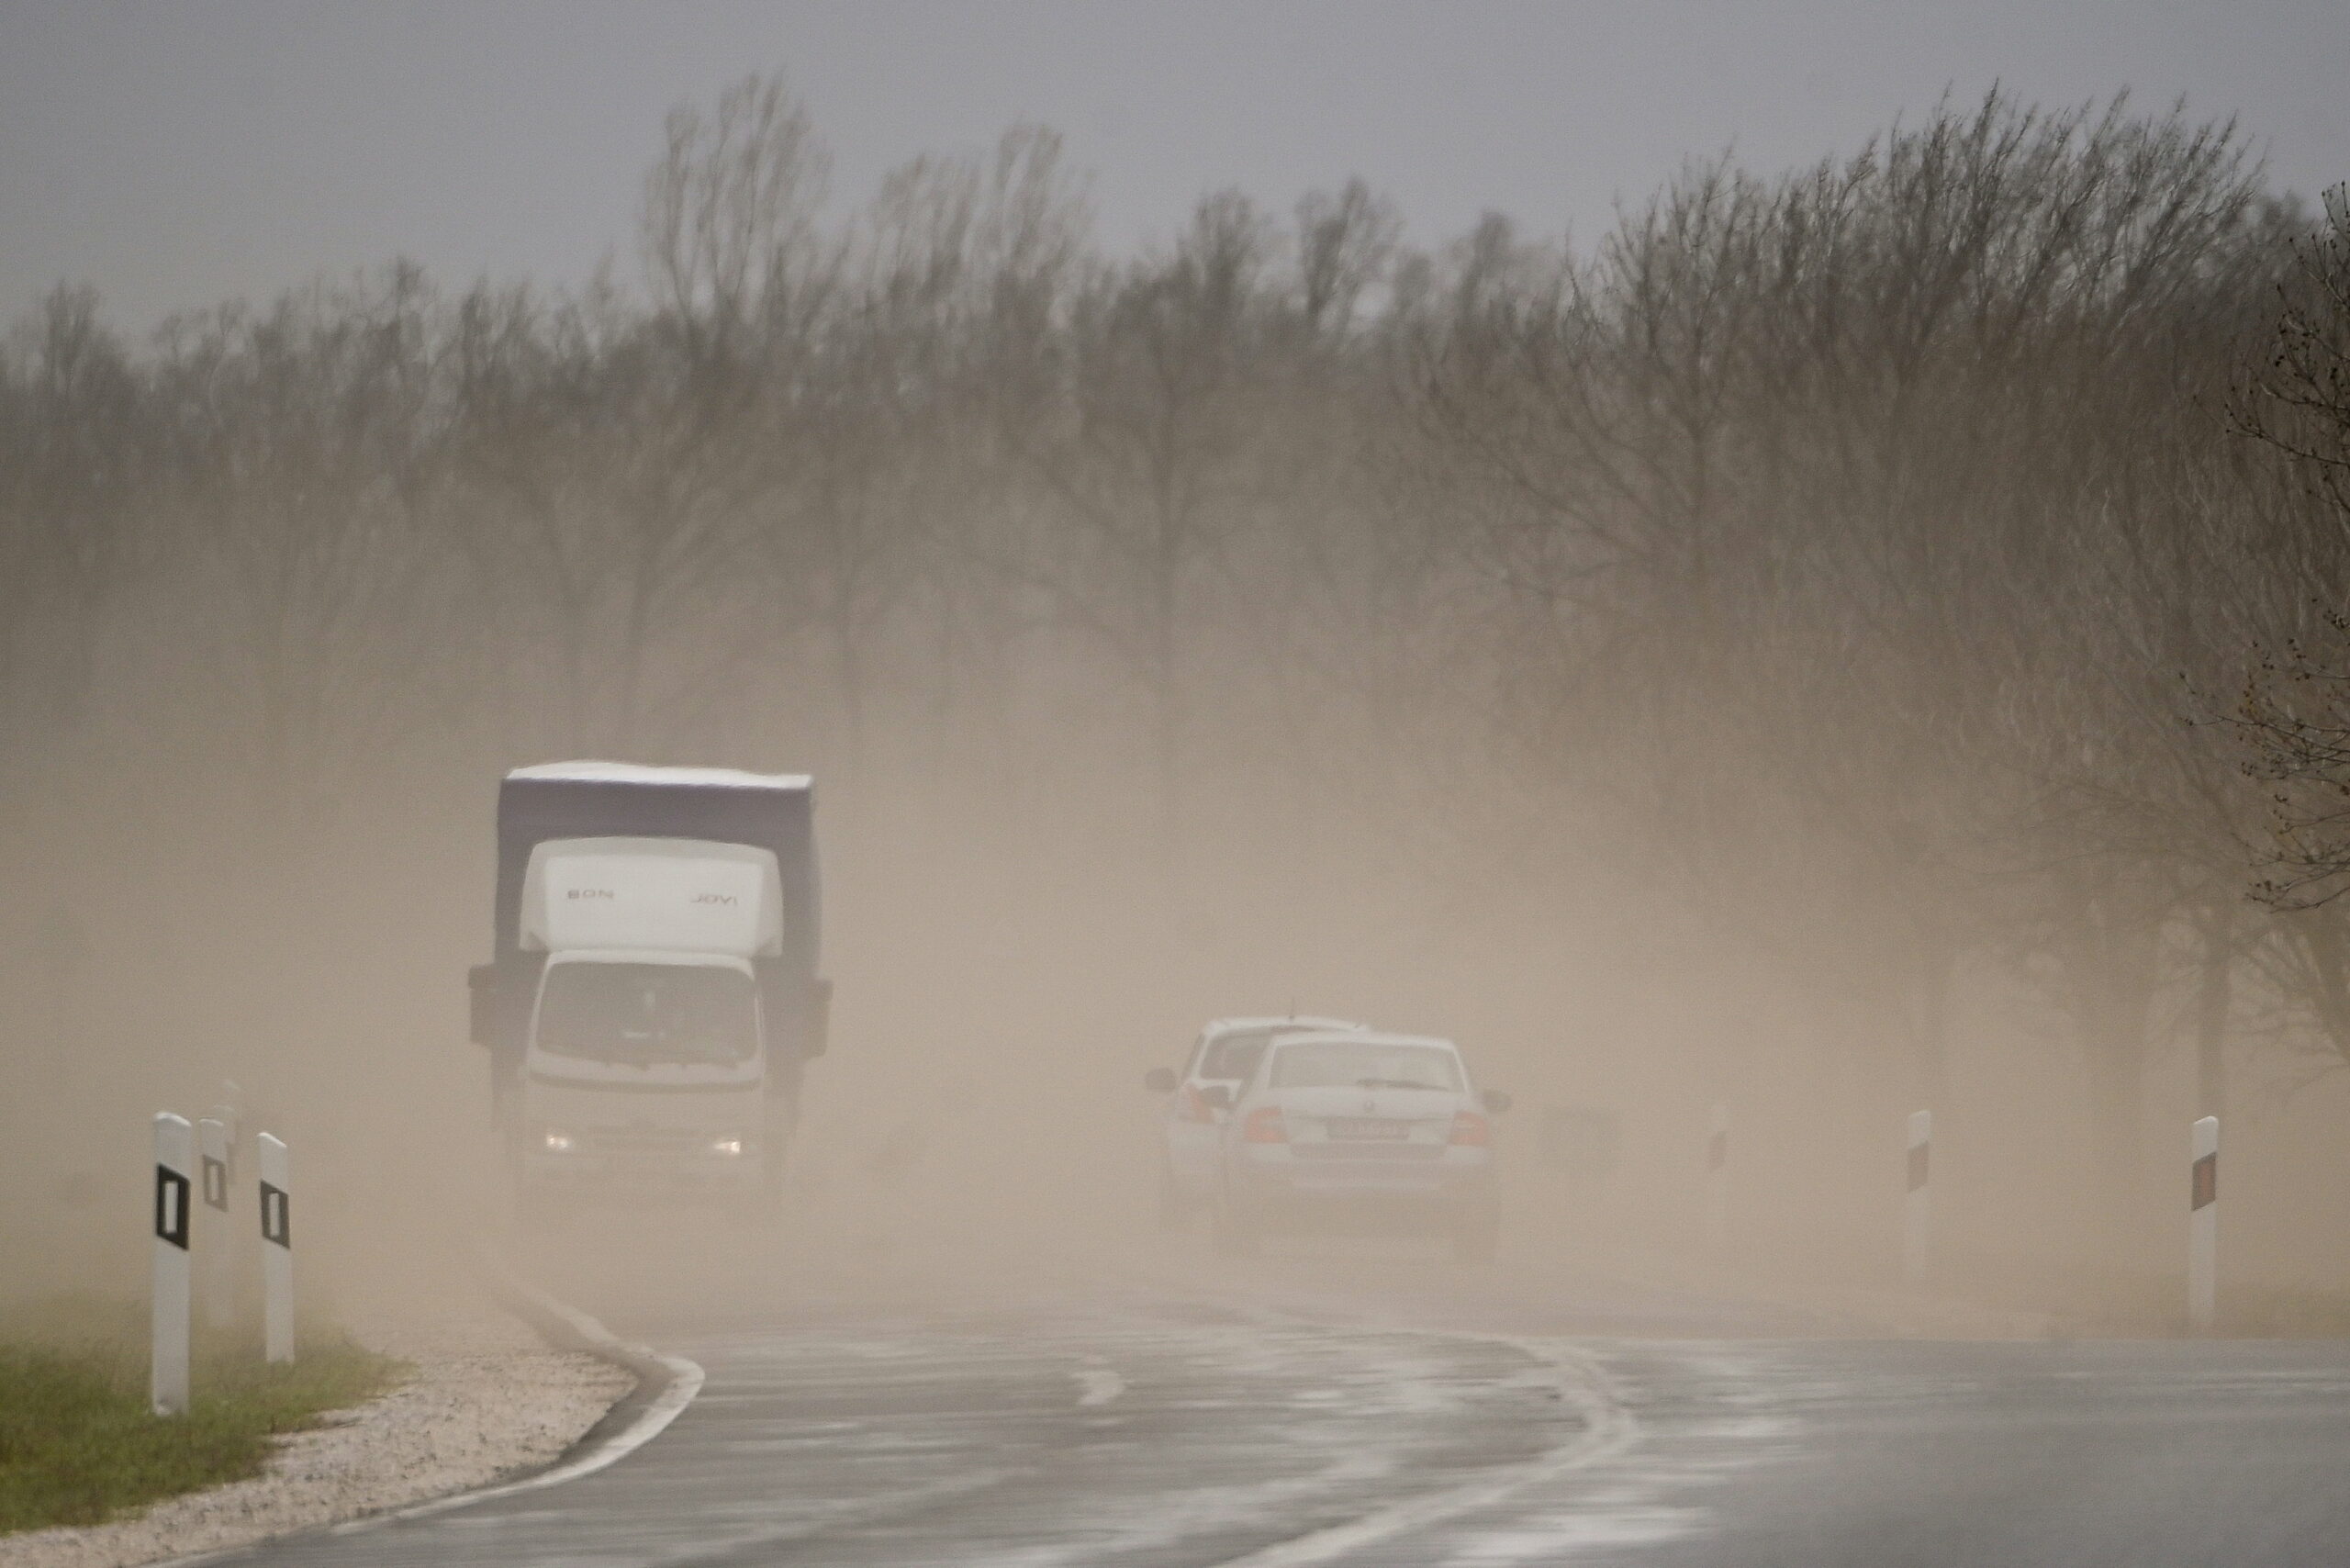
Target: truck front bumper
[{"x": 620, "y": 1177}]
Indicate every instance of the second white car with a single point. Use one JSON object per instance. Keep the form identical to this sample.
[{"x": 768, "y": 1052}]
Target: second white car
[{"x": 1357, "y": 1130}]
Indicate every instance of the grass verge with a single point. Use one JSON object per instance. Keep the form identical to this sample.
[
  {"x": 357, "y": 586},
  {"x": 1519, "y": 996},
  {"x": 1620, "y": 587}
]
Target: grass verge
[{"x": 78, "y": 1445}]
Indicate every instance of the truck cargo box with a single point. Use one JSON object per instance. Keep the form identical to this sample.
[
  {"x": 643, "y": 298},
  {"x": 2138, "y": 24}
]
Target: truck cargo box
[
  {"x": 773, "y": 812},
  {"x": 684, "y": 895}
]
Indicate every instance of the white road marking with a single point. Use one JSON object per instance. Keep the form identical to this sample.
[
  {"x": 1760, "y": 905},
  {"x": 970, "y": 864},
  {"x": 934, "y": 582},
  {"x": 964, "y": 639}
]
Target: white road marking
[
  {"x": 1196, "y": 1510},
  {"x": 1099, "y": 1382},
  {"x": 1608, "y": 1430}
]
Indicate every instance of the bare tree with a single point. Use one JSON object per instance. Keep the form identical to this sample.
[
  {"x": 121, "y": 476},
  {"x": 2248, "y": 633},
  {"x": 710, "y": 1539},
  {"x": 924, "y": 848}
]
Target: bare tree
[
  {"x": 1137, "y": 451},
  {"x": 307, "y": 454},
  {"x": 76, "y": 452},
  {"x": 2294, "y": 715},
  {"x": 612, "y": 458}
]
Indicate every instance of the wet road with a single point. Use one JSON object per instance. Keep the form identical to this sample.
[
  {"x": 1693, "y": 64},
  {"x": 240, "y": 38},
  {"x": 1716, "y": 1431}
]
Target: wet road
[{"x": 1355, "y": 1415}]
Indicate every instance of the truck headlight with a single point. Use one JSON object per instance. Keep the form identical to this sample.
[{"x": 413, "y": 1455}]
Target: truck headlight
[
  {"x": 555, "y": 1142},
  {"x": 726, "y": 1146}
]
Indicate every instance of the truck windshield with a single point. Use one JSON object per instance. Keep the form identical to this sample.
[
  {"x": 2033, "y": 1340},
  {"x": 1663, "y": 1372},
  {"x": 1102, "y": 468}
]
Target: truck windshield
[{"x": 649, "y": 1014}]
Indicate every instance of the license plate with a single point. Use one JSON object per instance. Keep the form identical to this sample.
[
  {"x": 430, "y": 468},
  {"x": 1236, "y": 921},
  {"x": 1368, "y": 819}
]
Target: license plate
[{"x": 1368, "y": 1127}]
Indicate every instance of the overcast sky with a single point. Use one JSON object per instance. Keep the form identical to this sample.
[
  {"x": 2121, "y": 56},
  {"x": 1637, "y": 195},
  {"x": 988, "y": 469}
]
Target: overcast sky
[{"x": 179, "y": 153}]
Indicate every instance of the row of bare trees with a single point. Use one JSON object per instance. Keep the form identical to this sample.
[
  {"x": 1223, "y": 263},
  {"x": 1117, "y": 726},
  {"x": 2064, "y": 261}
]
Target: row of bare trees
[
  {"x": 1925, "y": 563},
  {"x": 1890, "y": 516}
]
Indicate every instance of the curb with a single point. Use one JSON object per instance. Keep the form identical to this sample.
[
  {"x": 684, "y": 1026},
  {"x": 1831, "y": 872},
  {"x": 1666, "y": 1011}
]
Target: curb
[{"x": 665, "y": 1386}]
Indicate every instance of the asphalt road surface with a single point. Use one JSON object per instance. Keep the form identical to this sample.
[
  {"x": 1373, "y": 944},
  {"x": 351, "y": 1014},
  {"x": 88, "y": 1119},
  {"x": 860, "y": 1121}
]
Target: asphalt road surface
[{"x": 1362, "y": 1411}]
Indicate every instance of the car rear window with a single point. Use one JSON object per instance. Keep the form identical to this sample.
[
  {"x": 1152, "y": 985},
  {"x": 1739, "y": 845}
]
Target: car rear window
[
  {"x": 1354, "y": 1064},
  {"x": 1234, "y": 1055}
]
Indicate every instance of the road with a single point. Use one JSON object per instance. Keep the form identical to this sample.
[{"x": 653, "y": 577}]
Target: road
[{"x": 1358, "y": 1411}]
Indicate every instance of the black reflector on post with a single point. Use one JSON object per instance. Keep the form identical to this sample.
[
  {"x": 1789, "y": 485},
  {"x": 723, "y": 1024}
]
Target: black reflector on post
[
  {"x": 170, "y": 1207},
  {"x": 277, "y": 1215}
]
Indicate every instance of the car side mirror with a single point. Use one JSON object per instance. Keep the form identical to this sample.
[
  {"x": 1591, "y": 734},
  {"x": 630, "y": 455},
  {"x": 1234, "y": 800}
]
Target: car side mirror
[
  {"x": 1218, "y": 1095},
  {"x": 1497, "y": 1100},
  {"x": 1159, "y": 1080}
]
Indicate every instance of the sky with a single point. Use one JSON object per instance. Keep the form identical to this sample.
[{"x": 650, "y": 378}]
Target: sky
[{"x": 177, "y": 154}]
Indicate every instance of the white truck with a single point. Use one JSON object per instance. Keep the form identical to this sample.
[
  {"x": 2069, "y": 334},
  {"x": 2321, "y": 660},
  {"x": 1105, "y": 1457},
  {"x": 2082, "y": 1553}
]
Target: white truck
[{"x": 654, "y": 992}]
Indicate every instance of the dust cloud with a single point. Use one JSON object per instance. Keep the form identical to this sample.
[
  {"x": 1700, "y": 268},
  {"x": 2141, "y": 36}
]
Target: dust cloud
[{"x": 1783, "y": 656}]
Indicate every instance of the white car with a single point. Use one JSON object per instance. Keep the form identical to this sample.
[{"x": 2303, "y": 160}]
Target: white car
[
  {"x": 1222, "y": 1059},
  {"x": 1353, "y": 1129}
]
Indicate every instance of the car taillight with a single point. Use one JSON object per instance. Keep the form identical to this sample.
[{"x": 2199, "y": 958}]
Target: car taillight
[
  {"x": 1264, "y": 1126},
  {"x": 1193, "y": 1105},
  {"x": 1469, "y": 1127}
]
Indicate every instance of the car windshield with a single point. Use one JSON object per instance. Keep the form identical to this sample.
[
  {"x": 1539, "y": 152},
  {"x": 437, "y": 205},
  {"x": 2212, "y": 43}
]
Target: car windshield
[
  {"x": 649, "y": 1014},
  {"x": 1355, "y": 1064}
]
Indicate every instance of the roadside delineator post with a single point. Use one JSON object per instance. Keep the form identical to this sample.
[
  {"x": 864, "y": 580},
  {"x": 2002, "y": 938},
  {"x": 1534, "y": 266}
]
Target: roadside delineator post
[
  {"x": 1717, "y": 1177},
  {"x": 276, "y": 1252},
  {"x": 168, "y": 1363},
  {"x": 1917, "y": 1214},
  {"x": 215, "y": 1149},
  {"x": 2203, "y": 1226}
]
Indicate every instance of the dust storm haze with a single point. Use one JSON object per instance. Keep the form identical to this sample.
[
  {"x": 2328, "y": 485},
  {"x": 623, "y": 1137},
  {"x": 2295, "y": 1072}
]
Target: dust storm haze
[{"x": 1830, "y": 644}]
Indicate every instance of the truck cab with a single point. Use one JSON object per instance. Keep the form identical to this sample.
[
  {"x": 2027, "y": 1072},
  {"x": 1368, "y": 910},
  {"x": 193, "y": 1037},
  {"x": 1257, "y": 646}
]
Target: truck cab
[{"x": 646, "y": 1063}]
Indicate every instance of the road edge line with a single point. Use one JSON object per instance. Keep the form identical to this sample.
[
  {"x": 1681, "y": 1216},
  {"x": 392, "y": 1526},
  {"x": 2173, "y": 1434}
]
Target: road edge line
[{"x": 666, "y": 1384}]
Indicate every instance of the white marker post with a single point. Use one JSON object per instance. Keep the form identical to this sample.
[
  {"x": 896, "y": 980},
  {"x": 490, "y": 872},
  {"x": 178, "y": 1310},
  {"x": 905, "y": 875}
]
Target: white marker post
[
  {"x": 1717, "y": 1177},
  {"x": 175, "y": 1154},
  {"x": 1917, "y": 1214},
  {"x": 276, "y": 1252},
  {"x": 2203, "y": 1227},
  {"x": 213, "y": 1149}
]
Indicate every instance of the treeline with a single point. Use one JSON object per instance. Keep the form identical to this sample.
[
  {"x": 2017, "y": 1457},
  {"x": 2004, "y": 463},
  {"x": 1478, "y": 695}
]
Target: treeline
[{"x": 1903, "y": 562}]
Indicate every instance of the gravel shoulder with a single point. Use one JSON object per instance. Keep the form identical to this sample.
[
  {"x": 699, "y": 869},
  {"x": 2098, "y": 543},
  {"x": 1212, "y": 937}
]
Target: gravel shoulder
[{"x": 489, "y": 1400}]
